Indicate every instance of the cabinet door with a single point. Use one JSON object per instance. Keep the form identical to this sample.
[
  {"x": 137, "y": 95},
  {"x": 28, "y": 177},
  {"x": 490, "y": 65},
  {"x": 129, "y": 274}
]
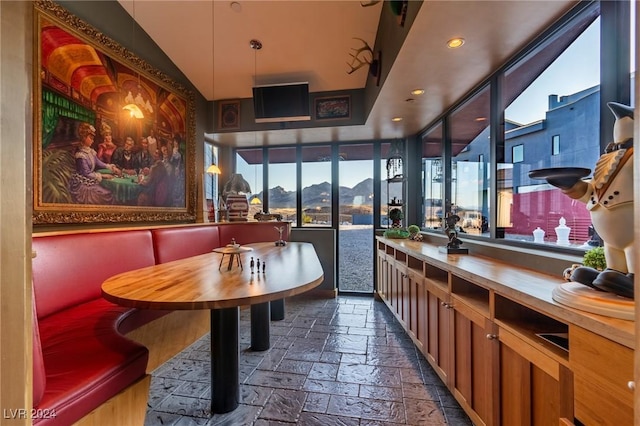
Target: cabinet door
[
  {"x": 393, "y": 286},
  {"x": 602, "y": 371},
  {"x": 383, "y": 276},
  {"x": 535, "y": 389},
  {"x": 414, "y": 284},
  {"x": 422, "y": 314},
  {"x": 405, "y": 298},
  {"x": 474, "y": 378},
  {"x": 399, "y": 279},
  {"x": 439, "y": 338}
]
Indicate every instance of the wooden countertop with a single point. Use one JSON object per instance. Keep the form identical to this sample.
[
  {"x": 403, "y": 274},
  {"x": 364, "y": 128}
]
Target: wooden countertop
[
  {"x": 198, "y": 283},
  {"x": 525, "y": 286}
]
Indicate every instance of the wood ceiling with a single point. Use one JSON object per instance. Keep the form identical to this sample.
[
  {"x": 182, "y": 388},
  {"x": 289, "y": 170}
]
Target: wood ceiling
[{"x": 311, "y": 41}]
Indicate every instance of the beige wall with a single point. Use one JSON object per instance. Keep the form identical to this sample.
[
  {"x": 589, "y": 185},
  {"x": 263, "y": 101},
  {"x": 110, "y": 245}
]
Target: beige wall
[{"x": 15, "y": 209}]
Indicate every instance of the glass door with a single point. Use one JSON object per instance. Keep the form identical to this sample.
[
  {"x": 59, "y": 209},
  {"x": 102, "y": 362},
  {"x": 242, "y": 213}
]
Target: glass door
[{"x": 355, "y": 227}]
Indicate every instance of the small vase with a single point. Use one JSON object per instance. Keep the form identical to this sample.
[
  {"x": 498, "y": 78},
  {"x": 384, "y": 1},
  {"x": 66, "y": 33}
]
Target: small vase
[
  {"x": 538, "y": 235},
  {"x": 562, "y": 232}
]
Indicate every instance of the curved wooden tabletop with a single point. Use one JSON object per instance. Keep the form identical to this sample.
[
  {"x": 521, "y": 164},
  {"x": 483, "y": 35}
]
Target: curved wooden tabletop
[{"x": 197, "y": 283}]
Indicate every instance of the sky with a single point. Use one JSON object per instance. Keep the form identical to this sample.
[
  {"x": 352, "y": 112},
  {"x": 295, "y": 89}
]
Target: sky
[{"x": 578, "y": 68}]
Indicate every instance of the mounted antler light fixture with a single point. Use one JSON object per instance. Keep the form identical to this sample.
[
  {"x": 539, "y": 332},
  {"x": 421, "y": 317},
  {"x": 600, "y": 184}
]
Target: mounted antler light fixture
[{"x": 365, "y": 55}]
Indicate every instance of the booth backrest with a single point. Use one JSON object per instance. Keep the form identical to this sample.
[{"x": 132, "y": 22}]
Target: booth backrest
[
  {"x": 69, "y": 269},
  {"x": 39, "y": 375},
  {"x": 256, "y": 232},
  {"x": 178, "y": 243}
]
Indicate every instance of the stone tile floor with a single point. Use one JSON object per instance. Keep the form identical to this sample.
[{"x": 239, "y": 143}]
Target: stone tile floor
[{"x": 343, "y": 361}]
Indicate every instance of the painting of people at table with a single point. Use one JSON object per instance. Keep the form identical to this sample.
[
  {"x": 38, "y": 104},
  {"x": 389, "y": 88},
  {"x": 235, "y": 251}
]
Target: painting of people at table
[
  {"x": 113, "y": 136},
  {"x": 75, "y": 170},
  {"x": 84, "y": 185},
  {"x": 106, "y": 147},
  {"x": 143, "y": 159},
  {"x": 123, "y": 157}
]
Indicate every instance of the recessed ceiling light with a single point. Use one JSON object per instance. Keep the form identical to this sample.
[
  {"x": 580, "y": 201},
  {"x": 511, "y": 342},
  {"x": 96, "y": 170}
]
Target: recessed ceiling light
[
  {"x": 417, "y": 92},
  {"x": 235, "y": 6},
  {"x": 454, "y": 43},
  {"x": 481, "y": 118},
  {"x": 396, "y": 119}
]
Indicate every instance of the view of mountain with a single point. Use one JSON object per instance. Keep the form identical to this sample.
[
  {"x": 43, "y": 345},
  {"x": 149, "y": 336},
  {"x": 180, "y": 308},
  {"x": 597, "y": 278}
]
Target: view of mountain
[{"x": 318, "y": 195}]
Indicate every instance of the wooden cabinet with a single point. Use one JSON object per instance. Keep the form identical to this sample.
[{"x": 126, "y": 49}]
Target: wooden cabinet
[
  {"x": 536, "y": 385},
  {"x": 382, "y": 286},
  {"x": 474, "y": 380},
  {"x": 602, "y": 372},
  {"x": 438, "y": 350},
  {"x": 417, "y": 306},
  {"x": 534, "y": 388},
  {"x": 509, "y": 354}
]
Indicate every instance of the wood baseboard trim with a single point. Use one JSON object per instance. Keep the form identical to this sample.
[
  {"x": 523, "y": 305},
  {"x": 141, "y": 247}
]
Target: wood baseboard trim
[
  {"x": 129, "y": 407},
  {"x": 170, "y": 334}
]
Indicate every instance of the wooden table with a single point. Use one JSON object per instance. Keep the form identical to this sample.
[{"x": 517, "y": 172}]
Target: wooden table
[{"x": 197, "y": 283}]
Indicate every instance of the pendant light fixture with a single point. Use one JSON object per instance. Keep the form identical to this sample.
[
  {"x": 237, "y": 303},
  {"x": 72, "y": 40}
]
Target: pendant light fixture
[
  {"x": 131, "y": 106},
  {"x": 213, "y": 169},
  {"x": 255, "y": 45}
]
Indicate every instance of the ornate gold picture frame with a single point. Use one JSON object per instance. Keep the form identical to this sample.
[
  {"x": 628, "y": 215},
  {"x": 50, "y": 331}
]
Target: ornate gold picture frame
[{"x": 114, "y": 138}]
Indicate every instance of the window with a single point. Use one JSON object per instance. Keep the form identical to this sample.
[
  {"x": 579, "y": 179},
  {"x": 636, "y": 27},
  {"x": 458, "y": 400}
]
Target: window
[
  {"x": 554, "y": 89},
  {"x": 517, "y": 154},
  {"x": 282, "y": 180},
  {"x": 316, "y": 185},
  {"x": 249, "y": 165},
  {"x": 555, "y": 144},
  {"x": 211, "y": 180},
  {"x": 470, "y": 131},
  {"x": 432, "y": 178},
  {"x": 392, "y": 180}
]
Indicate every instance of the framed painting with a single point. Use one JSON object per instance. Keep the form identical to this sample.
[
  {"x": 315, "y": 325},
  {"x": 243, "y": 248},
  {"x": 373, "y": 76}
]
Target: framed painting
[
  {"x": 114, "y": 138},
  {"x": 229, "y": 115},
  {"x": 333, "y": 108}
]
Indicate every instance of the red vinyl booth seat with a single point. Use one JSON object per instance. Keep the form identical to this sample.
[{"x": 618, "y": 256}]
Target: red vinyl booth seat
[
  {"x": 86, "y": 360},
  {"x": 256, "y": 232},
  {"x": 178, "y": 243},
  {"x": 81, "y": 358}
]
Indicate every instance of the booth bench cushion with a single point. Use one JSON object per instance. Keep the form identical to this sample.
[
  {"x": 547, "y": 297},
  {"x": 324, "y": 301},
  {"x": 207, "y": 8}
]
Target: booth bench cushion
[
  {"x": 69, "y": 269},
  {"x": 179, "y": 243},
  {"x": 86, "y": 359},
  {"x": 256, "y": 232},
  {"x": 81, "y": 359}
]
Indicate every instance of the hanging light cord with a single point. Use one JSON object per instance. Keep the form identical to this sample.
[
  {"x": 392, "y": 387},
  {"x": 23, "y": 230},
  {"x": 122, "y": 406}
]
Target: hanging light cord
[
  {"x": 255, "y": 45},
  {"x": 133, "y": 36}
]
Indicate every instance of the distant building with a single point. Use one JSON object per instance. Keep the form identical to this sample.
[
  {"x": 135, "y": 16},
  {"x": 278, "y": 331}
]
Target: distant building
[{"x": 564, "y": 138}]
